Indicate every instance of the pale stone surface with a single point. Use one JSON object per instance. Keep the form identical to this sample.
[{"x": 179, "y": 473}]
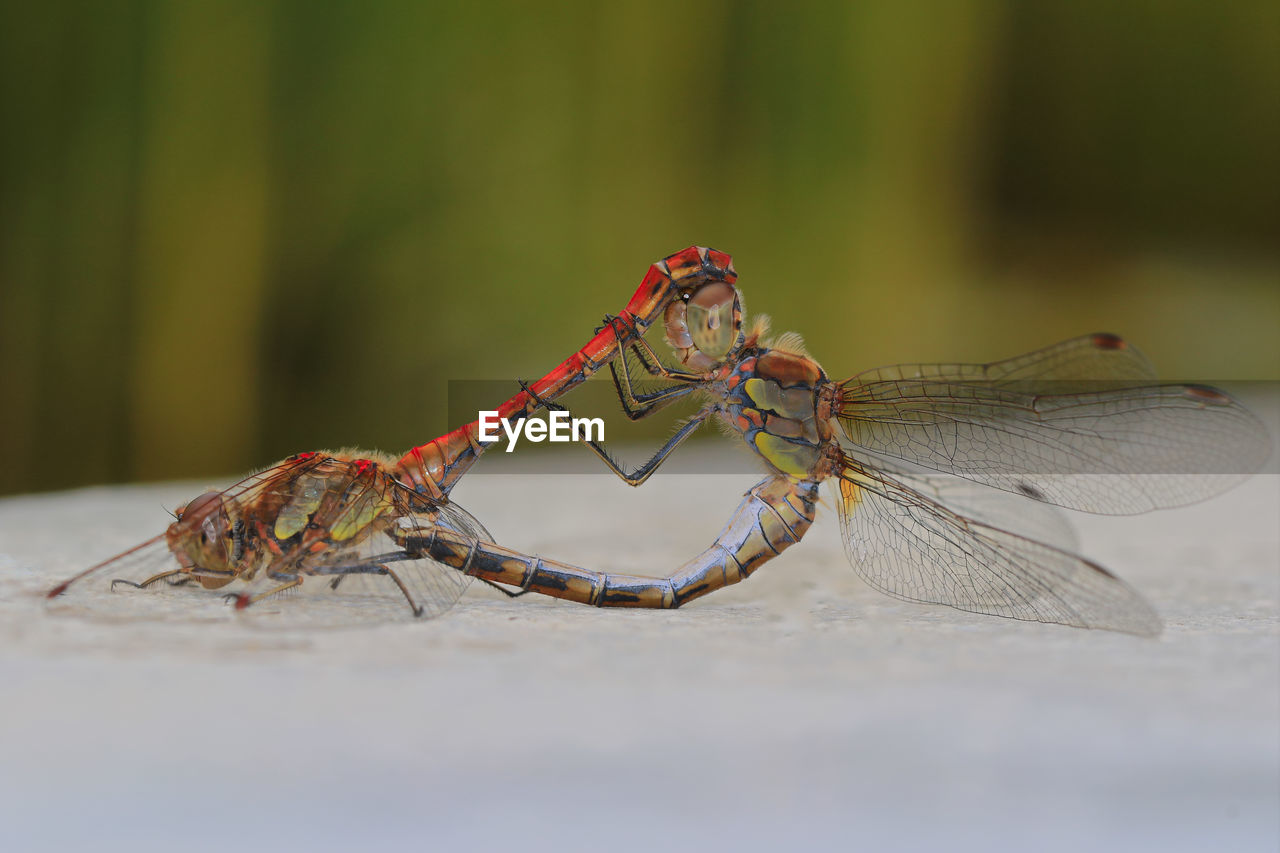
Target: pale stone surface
[{"x": 797, "y": 708}]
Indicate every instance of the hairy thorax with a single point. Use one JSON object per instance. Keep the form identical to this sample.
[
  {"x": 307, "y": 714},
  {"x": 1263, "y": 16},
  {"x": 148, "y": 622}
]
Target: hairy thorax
[{"x": 772, "y": 399}]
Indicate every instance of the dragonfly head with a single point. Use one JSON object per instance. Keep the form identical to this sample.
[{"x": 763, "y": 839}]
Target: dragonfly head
[
  {"x": 704, "y": 326},
  {"x": 206, "y": 536}
]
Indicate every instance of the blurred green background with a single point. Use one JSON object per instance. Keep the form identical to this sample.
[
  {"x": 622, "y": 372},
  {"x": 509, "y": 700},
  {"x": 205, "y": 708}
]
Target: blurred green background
[{"x": 232, "y": 231}]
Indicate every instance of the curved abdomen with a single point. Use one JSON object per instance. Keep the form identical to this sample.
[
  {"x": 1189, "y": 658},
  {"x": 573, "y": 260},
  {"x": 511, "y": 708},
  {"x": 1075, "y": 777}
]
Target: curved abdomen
[{"x": 772, "y": 516}]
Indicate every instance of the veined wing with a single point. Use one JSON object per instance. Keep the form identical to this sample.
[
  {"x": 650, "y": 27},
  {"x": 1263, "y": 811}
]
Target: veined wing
[
  {"x": 152, "y": 563},
  {"x": 432, "y": 585},
  {"x": 1101, "y": 357},
  {"x": 1021, "y": 515},
  {"x": 353, "y": 544},
  {"x": 90, "y": 591},
  {"x": 1067, "y": 425},
  {"x": 903, "y": 542}
]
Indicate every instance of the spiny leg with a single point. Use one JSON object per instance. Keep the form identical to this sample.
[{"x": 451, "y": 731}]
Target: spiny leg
[
  {"x": 381, "y": 568},
  {"x": 640, "y": 405},
  {"x": 187, "y": 575},
  {"x": 243, "y": 599},
  {"x": 417, "y": 609},
  {"x": 634, "y": 405},
  {"x": 637, "y": 405},
  {"x": 650, "y": 359},
  {"x": 154, "y": 578},
  {"x": 645, "y": 470}
]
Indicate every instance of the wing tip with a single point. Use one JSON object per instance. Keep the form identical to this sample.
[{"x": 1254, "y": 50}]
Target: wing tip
[
  {"x": 1149, "y": 626},
  {"x": 1108, "y": 341}
]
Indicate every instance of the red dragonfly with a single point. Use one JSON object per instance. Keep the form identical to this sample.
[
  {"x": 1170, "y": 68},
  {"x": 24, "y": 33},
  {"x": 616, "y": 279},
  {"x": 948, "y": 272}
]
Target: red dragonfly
[
  {"x": 946, "y": 474},
  {"x": 352, "y": 513}
]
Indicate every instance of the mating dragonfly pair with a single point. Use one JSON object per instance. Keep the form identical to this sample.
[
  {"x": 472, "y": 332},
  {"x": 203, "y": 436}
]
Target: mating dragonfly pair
[{"x": 947, "y": 475}]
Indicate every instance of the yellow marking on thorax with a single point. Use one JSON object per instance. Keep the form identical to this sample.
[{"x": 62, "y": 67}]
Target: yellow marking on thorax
[
  {"x": 794, "y": 460},
  {"x": 770, "y": 397},
  {"x": 293, "y": 517},
  {"x": 355, "y": 519}
]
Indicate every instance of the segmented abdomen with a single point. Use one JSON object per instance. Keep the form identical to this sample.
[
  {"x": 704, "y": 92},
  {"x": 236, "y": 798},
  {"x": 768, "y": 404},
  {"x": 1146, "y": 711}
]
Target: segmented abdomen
[{"x": 772, "y": 516}]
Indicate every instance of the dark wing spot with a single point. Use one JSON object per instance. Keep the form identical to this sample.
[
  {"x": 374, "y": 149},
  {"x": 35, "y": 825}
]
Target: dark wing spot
[
  {"x": 1030, "y": 491},
  {"x": 1100, "y": 570},
  {"x": 1207, "y": 395},
  {"x": 1106, "y": 340}
]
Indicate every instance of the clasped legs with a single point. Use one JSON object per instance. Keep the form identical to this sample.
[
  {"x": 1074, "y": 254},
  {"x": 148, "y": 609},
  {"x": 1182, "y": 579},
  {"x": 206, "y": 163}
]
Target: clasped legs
[{"x": 639, "y": 405}]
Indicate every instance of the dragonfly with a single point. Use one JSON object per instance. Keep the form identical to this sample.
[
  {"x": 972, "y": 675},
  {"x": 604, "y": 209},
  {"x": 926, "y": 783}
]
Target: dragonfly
[
  {"x": 946, "y": 476},
  {"x": 333, "y": 516}
]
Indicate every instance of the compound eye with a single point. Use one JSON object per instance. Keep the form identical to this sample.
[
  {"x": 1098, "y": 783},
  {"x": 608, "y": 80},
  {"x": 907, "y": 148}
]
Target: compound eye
[
  {"x": 710, "y": 318},
  {"x": 204, "y": 528},
  {"x": 205, "y": 504}
]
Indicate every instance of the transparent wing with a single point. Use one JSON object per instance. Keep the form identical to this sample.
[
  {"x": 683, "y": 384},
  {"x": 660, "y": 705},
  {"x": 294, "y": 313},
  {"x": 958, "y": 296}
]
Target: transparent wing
[
  {"x": 1023, "y": 515},
  {"x": 903, "y": 542},
  {"x": 368, "y": 517},
  {"x": 374, "y": 581},
  {"x": 434, "y": 585},
  {"x": 384, "y": 566},
  {"x": 93, "y": 591},
  {"x": 152, "y": 563},
  {"x": 1070, "y": 425},
  {"x": 1100, "y": 357}
]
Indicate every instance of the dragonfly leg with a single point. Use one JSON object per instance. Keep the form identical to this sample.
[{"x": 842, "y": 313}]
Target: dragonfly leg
[
  {"x": 650, "y": 360},
  {"x": 341, "y": 574},
  {"x": 378, "y": 566},
  {"x": 639, "y": 405},
  {"x": 346, "y": 572},
  {"x": 643, "y": 472},
  {"x": 163, "y": 576},
  {"x": 417, "y": 609},
  {"x": 243, "y": 599}
]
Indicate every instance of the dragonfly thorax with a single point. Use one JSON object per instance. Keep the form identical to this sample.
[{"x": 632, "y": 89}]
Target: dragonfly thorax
[{"x": 772, "y": 399}]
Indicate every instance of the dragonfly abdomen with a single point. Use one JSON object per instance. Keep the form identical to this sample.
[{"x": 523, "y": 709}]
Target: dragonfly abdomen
[
  {"x": 435, "y": 467},
  {"x": 772, "y": 516}
]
